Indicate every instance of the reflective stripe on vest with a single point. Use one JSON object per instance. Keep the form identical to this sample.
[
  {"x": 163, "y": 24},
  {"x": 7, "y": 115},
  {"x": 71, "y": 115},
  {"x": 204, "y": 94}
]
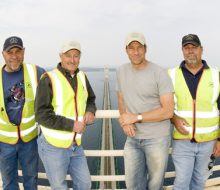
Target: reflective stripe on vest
[
  {"x": 206, "y": 114},
  {"x": 28, "y": 129},
  {"x": 68, "y": 104}
]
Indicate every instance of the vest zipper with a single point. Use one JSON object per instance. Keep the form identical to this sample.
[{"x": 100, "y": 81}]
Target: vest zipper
[
  {"x": 194, "y": 121},
  {"x": 19, "y": 132},
  {"x": 75, "y": 99},
  {"x": 194, "y": 112},
  {"x": 76, "y": 109}
]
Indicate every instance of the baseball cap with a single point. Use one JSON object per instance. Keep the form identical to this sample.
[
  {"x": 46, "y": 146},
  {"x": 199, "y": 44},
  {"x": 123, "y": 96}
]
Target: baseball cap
[
  {"x": 191, "y": 39},
  {"x": 11, "y": 42},
  {"x": 135, "y": 36},
  {"x": 70, "y": 45}
]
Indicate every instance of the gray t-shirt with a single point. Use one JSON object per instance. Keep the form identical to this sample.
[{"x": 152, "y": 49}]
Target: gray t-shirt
[{"x": 141, "y": 90}]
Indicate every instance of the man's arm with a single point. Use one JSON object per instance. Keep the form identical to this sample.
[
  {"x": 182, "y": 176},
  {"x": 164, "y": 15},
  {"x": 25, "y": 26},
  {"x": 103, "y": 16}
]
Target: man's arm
[
  {"x": 165, "y": 111},
  {"x": 90, "y": 104},
  {"x": 216, "y": 150},
  {"x": 40, "y": 72},
  {"x": 121, "y": 105},
  {"x": 129, "y": 130},
  {"x": 180, "y": 124}
]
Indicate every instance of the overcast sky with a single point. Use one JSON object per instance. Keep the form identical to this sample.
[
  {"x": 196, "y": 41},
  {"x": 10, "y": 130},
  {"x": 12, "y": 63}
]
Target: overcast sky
[{"x": 101, "y": 27}]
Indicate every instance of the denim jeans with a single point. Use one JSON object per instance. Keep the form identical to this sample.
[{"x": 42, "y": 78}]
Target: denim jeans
[
  {"x": 58, "y": 162},
  {"x": 27, "y": 155},
  {"x": 191, "y": 164},
  {"x": 146, "y": 162}
]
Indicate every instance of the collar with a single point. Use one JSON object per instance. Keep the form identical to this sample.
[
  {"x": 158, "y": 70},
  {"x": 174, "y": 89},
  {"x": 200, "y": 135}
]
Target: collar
[
  {"x": 205, "y": 65},
  {"x": 21, "y": 68},
  {"x": 64, "y": 71}
]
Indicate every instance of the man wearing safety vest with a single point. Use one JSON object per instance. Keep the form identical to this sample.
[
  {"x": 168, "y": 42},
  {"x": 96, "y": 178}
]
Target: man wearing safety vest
[
  {"x": 65, "y": 103},
  {"x": 196, "y": 137},
  {"x": 18, "y": 129}
]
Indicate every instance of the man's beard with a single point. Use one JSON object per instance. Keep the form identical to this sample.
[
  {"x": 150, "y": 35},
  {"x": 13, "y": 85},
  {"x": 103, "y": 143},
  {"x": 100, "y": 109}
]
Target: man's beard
[{"x": 192, "y": 60}]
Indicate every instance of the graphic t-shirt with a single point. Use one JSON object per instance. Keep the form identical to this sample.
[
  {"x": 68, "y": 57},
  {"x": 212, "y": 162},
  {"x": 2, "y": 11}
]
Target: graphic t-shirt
[
  {"x": 14, "y": 93},
  {"x": 13, "y": 85}
]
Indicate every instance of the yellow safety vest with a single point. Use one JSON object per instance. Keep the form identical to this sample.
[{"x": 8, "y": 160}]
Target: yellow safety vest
[
  {"x": 27, "y": 130},
  {"x": 202, "y": 114},
  {"x": 68, "y": 104}
]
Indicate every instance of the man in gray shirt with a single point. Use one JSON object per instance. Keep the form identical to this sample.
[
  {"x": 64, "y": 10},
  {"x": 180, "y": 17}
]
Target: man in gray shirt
[{"x": 145, "y": 99}]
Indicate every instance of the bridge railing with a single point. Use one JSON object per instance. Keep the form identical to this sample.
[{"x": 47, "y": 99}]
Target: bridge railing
[
  {"x": 213, "y": 183},
  {"x": 116, "y": 153}
]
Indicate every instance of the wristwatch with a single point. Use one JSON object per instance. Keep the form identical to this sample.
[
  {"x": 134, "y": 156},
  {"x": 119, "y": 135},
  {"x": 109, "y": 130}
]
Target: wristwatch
[{"x": 139, "y": 117}]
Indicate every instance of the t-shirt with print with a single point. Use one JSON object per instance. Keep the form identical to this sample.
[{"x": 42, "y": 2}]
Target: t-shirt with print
[{"x": 14, "y": 95}]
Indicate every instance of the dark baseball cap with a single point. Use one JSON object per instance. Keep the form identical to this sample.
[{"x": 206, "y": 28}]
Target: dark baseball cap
[
  {"x": 191, "y": 39},
  {"x": 11, "y": 42}
]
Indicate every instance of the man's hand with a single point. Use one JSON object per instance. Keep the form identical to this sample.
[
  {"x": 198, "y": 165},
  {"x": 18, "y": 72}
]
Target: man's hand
[
  {"x": 129, "y": 130},
  {"x": 79, "y": 127},
  {"x": 216, "y": 149},
  {"x": 127, "y": 119},
  {"x": 89, "y": 118},
  {"x": 180, "y": 125}
]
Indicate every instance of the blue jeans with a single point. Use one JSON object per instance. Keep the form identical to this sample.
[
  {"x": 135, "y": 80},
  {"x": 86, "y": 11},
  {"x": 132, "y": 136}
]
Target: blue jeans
[
  {"x": 146, "y": 162},
  {"x": 191, "y": 164},
  {"x": 27, "y": 155},
  {"x": 58, "y": 162}
]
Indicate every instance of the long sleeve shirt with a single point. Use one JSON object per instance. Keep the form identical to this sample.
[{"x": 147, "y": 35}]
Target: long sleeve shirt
[{"x": 44, "y": 111}]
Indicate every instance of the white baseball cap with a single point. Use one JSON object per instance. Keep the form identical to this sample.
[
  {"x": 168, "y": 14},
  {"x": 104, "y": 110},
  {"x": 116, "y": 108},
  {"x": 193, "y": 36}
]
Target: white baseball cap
[
  {"x": 70, "y": 45},
  {"x": 135, "y": 36}
]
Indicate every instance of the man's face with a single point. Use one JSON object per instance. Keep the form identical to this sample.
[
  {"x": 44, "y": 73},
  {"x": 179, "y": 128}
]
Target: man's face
[
  {"x": 136, "y": 52},
  {"x": 14, "y": 58},
  {"x": 70, "y": 60},
  {"x": 192, "y": 54}
]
